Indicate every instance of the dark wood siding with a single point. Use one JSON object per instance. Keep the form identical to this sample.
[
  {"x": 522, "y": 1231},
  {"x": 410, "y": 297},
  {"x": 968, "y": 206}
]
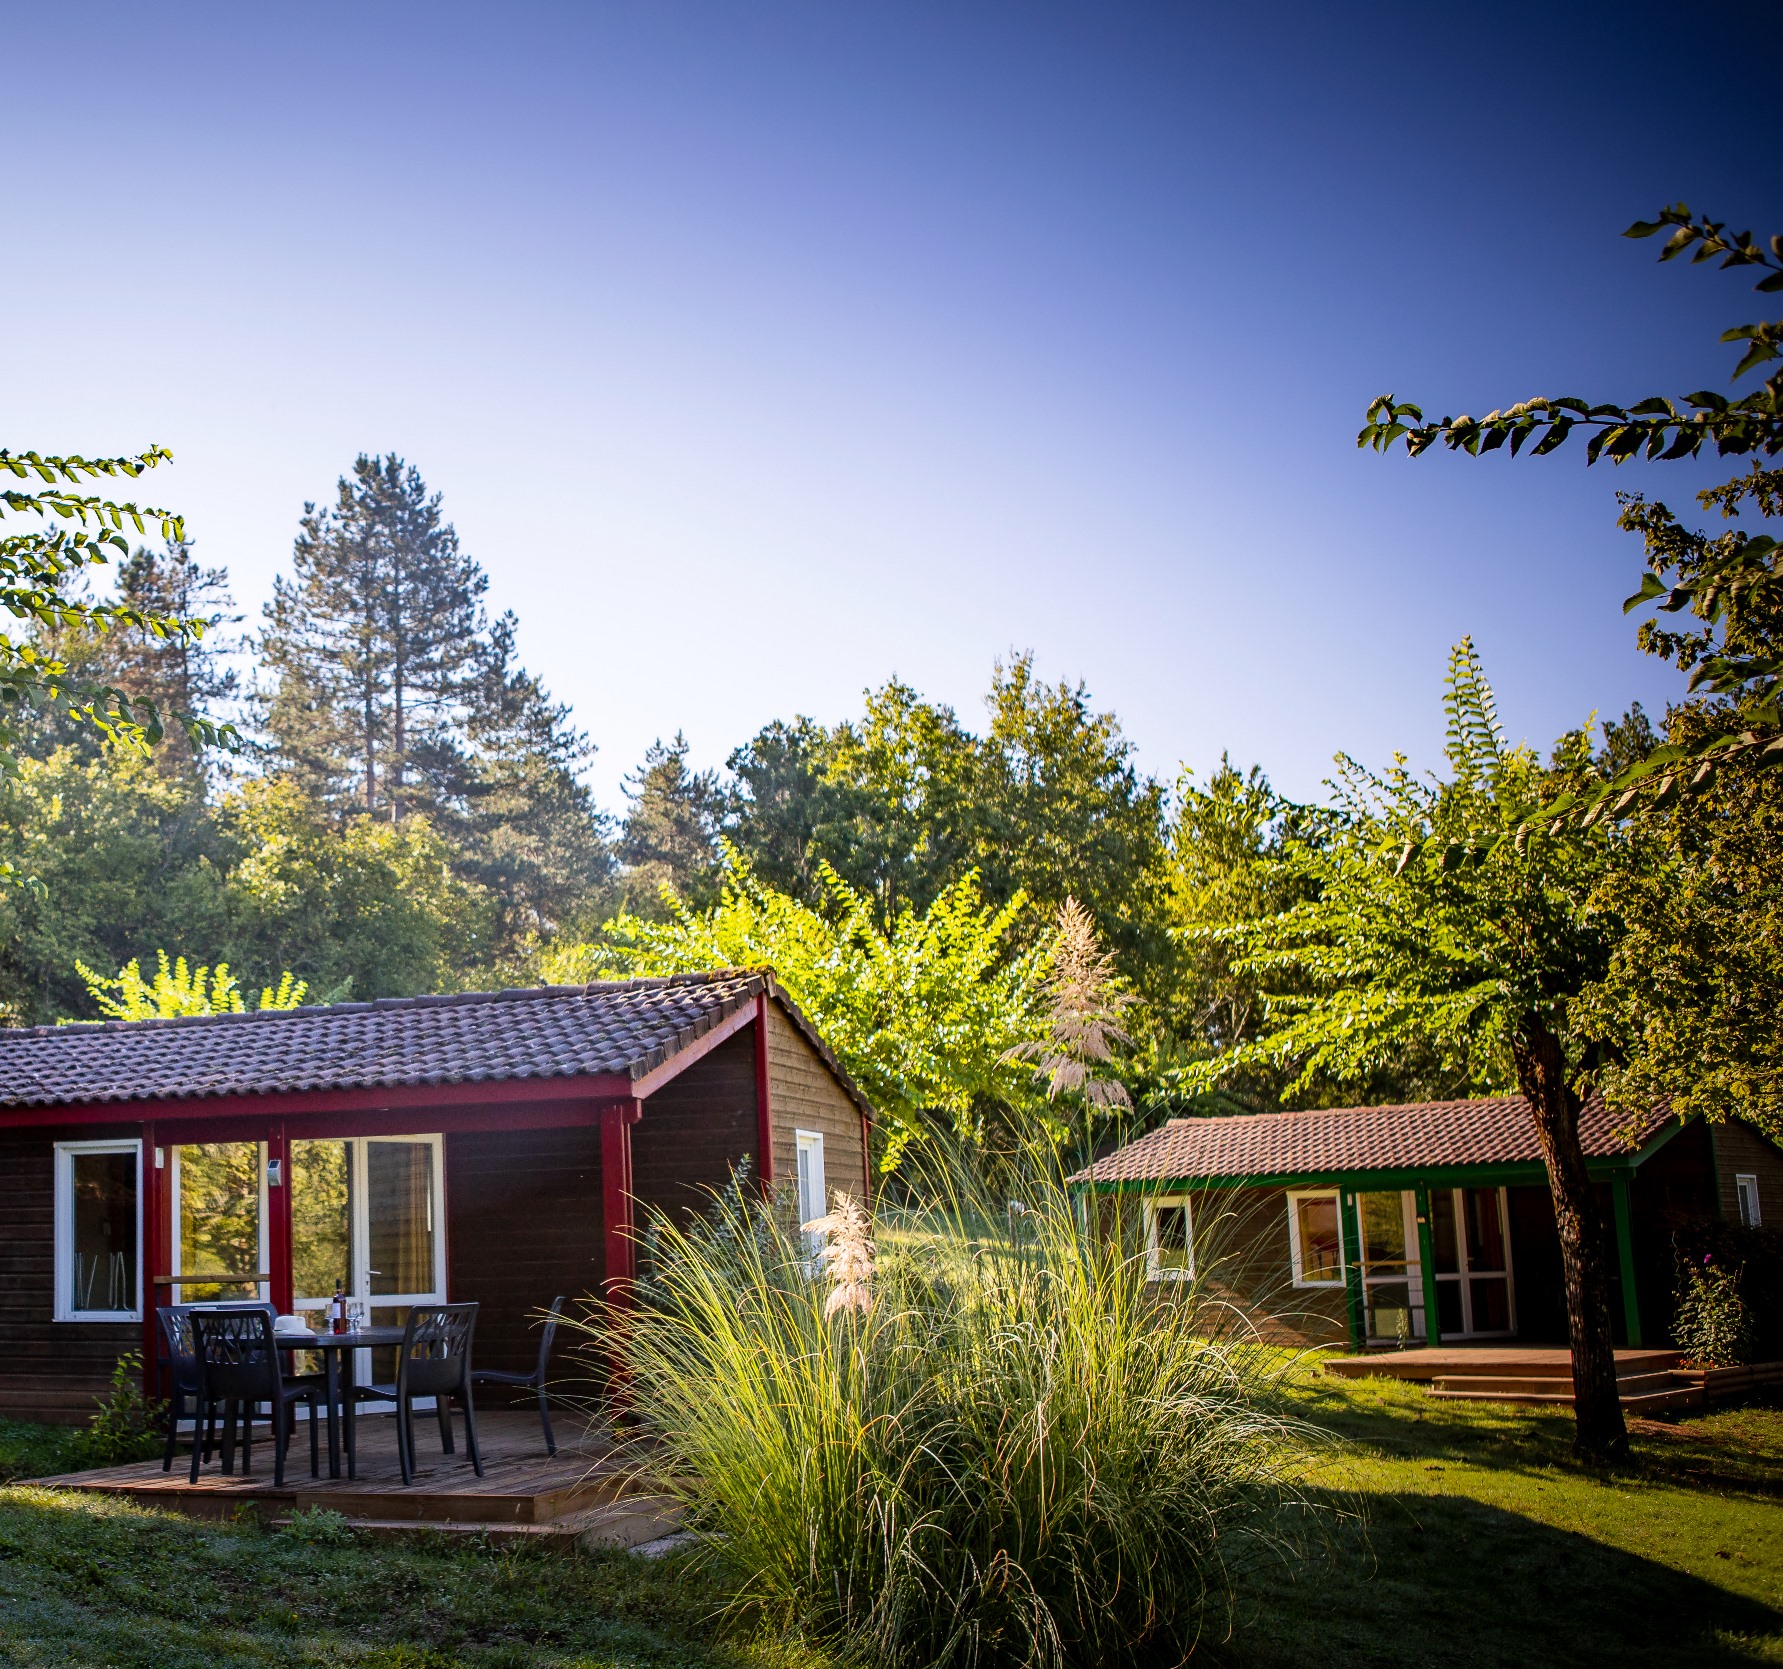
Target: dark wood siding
[
  {"x": 49, "y": 1370},
  {"x": 803, "y": 1094},
  {"x": 696, "y": 1129},
  {"x": 1739, "y": 1149},
  {"x": 523, "y": 1224}
]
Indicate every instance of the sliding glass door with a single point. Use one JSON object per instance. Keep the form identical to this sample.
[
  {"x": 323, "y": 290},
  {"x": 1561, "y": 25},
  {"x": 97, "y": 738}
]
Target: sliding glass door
[
  {"x": 1470, "y": 1234},
  {"x": 366, "y": 1216}
]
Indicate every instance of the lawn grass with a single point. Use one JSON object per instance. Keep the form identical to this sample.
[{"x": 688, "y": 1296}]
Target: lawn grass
[
  {"x": 1481, "y": 1542},
  {"x": 87, "y": 1582},
  {"x": 1473, "y": 1539}
]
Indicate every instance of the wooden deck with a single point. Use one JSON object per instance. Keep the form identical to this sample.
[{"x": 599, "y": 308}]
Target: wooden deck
[
  {"x": 581, "y": 1495},
  {"x": 1649, "y": 1381}
]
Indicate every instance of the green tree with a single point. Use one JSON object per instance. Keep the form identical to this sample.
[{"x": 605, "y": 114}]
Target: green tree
[
  {"x": 365, "y": 909},
  {"x": 1424, "y": 927},
  {"x": 1060, "y": 810},
  {"x": 530, "y": 833},
  {"x": 924, "y": 1011},
  {"x": 179, "y": 989},
  {"x": 126, "y": 855},
  {"x": 671, "y": 834},
  {"x": 906, "y": 800}
]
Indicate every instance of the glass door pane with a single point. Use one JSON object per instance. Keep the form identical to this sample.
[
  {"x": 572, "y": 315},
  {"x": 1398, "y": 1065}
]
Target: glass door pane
[
  {"x": 1488, "y": 1261},
  {"x": 1392, "y": 1306},
  {"x": 218, "y": 1188},
  {"x": 399, "y": 1194},
  {"x": 402, "y": 1263},
  {"x": 321, "y": 1221}
]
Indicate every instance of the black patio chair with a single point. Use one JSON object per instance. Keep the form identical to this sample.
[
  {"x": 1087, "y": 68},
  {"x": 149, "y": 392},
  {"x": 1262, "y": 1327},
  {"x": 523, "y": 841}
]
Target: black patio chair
[
  {"x": 178, "y": 1364},
  {"x": 433, "y": 1360},
  {"x": 534, "y": 1381},
  {"x": 239, "y": 1366}
]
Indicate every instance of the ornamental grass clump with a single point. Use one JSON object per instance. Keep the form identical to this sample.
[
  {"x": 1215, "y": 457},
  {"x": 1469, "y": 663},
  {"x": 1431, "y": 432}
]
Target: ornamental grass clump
[{"x": 956, "y": 1435}]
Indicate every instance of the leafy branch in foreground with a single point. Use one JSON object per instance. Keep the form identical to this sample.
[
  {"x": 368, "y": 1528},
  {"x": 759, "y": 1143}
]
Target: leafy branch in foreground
[
  {"x": 1657, "y": 427},
  {"x": 39, "y": 585},
  {"x": 1727, "y": 582}
]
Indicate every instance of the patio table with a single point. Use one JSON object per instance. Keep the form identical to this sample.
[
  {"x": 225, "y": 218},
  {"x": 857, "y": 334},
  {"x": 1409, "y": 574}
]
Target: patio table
[{"x": 337, "y": 1362}]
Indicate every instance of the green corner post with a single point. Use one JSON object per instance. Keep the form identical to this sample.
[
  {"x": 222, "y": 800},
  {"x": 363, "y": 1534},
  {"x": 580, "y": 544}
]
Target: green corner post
[
  {"x": 1351, "y": 1232},
  {"x": 1427, "y": 1267},
  {"x": 1631, "y": 1302}
]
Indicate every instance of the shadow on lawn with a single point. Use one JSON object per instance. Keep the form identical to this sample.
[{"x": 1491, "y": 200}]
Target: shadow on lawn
[
  {"x": 1506, "y": 1438},
  {"x": 1448, "y": 1580}
]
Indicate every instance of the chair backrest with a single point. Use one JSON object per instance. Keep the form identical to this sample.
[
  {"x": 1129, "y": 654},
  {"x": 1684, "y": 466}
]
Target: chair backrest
[
  {"x": 436, "y": 1349},
  {"x": 237, "y": 1354},
  {"x": 179, "y": 1351},
  {"x": 551, "y": 1319}
]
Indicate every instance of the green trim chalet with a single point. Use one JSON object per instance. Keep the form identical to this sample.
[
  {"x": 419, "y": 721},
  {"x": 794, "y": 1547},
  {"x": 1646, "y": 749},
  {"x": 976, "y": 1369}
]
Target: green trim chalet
[{"x": 1428, "y": 1222}]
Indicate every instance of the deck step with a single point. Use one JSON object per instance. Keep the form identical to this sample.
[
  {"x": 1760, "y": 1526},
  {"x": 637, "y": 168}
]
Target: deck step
[
  {"x": 1539, "y": 1393},
  {"x": 625, "y": 1523}
]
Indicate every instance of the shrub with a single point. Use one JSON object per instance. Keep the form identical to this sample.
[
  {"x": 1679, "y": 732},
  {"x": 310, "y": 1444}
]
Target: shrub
[
  {"x": 1714, "y": 1326},
  {"x": 1754, "y": 1258},
  {"x": 123, "y": 1428},
  {"x": 1015, "y": 1455}
]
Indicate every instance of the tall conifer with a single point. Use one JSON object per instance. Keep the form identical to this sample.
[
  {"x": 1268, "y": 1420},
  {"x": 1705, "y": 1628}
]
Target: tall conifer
[{"x": 375, "y": 644}]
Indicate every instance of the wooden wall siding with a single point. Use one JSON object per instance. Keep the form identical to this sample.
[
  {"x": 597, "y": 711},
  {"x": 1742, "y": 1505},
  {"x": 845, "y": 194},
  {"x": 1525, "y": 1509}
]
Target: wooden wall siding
[
  {"x": 523, "y": 1223},
  {"x": 49, "y": 1370},
  {"x": 695, "y": 1130},
  {"x": 803, "y": 1095},
  {"x": 1242, "y": 1252},
  {"x": 1739, "y": 1149},
  {"x": 1538, "y": 1282}
]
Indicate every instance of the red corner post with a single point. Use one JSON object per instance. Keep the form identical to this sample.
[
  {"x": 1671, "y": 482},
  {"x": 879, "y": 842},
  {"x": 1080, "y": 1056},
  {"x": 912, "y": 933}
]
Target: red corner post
[
  {"x": 617, "y": 1118},
  {"x": 278, "y": 1212},
  {"x": 764, "y": 1109},
  {"x": 154, "y": 1258}
]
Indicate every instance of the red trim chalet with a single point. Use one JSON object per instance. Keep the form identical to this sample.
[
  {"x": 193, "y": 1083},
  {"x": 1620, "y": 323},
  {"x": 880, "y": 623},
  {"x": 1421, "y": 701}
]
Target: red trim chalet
[{"x": 498, "y": 1146}]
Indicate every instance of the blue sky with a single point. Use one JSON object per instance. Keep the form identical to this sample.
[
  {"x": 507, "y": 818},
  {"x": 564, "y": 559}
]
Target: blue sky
[{"x": 765, "y": 350}]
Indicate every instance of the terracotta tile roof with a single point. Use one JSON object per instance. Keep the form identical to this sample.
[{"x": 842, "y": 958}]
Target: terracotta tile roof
[
  {"x": 552, "y": 1031},
  {"x": 1414, "y": 1136}
]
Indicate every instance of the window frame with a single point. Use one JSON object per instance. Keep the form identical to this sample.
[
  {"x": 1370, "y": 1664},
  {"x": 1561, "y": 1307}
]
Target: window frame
[
  {"x": 1296, "y": 1260},
  {"x": 810, "y": 1142},
  {"x": 63, "y": 1309},
  {"x": 1154, "y": 1264},
  {"x": 1745, "y": 1193}
]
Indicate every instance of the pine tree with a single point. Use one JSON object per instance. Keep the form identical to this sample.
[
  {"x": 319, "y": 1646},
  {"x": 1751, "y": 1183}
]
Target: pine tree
[
  {"x": 671, "y": 832},
  {"x": 531, "y": 830},
  {"x": 376, "y": 644}
]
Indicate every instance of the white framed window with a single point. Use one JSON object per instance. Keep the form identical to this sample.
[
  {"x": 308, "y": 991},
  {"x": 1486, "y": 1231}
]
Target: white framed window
[
  {"x": 1169, "y": 1239},
  {"x": 1746, "y": 1191},
  {"x": 813, "y": 1195},
  {"x": 1315, "y": 1241},
  {"x": 98, "y": 1231}
]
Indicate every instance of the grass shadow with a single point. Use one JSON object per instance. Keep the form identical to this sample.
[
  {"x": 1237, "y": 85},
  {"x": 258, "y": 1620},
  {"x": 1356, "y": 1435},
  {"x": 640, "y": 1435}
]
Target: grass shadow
[{"x": 1448, "y": 1580}]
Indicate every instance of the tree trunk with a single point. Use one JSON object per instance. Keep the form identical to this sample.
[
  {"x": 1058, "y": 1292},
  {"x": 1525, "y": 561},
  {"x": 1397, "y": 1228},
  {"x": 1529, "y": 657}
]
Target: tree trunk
[{"x": 1541, "y": 1073}]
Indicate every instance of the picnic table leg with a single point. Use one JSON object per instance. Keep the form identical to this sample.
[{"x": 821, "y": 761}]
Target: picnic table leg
[
  {"x": 349, "y": 1379},
  {"x": 331, "y": 1371}
]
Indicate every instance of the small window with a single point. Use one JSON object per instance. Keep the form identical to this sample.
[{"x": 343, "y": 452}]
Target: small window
[
  {"x": 1746, "y": 1188},
  {"x": 98, "y": 1231},
  {"x": 1169, "y": 1241},
  {"x": 1314, "y": 1241}
]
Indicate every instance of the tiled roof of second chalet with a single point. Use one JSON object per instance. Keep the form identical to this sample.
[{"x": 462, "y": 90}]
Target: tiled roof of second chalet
[
  {"x": 553, "y": 1031},
  {"x": 1418, "y": 1135}
]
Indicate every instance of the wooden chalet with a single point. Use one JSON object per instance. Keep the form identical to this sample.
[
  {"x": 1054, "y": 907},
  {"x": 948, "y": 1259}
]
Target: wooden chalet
[
  {"x": 501, "y": 1147},
  {"x": 1428, "y": 1223}
]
